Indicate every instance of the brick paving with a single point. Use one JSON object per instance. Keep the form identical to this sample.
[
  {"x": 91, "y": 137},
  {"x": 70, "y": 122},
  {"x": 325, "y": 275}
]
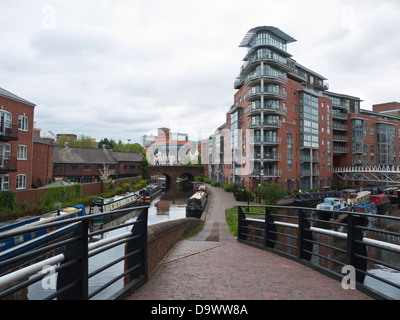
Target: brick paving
[{"x": 214, "y": 266}]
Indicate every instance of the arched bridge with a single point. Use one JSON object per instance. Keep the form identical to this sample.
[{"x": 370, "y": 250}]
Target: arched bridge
[{"x": 173, "y": 172}]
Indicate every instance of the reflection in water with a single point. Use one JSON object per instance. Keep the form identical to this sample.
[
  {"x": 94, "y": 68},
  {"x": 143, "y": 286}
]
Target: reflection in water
[{"x": 171, "y": 205}]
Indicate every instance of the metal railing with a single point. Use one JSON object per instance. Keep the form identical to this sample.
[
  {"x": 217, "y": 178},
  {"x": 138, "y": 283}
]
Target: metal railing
[
  {"x": 69, "y": 259},
  {"x": 363, "y": 241}
]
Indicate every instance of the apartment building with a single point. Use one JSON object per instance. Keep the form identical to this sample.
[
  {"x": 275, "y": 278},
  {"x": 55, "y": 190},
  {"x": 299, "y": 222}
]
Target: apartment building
[
  {"x": 286, "y": 127},
  {"x": 16, "y": 141}
]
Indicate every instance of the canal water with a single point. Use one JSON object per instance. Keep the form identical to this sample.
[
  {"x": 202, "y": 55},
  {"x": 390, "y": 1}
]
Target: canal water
[
  {"x": 168, "y": 206},
  {"x": 172, "y": 206}
]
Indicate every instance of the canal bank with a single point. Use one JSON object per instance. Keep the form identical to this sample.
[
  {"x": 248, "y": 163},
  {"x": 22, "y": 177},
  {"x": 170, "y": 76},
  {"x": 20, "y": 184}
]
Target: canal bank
[{"x": 212, "y": 265}]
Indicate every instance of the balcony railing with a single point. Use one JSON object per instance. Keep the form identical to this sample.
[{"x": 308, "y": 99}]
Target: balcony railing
[
  {"x": 267, "y": 157},
  {"x": 265, "y": 124},
  {"x": 340, "y": 150},
  {"x": 266, "y": 141},
  {"x": 9, "y": 133},
  {"x": 257, "y": 108},
  {"x": 275, "y": 77},
  {"x": 257, "y": 92},
  {"x": 8, "y": 164}
]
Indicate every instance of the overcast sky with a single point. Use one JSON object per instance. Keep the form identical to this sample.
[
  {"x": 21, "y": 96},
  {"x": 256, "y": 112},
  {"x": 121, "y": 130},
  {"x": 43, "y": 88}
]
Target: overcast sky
[{"x": 121, "y": 69}]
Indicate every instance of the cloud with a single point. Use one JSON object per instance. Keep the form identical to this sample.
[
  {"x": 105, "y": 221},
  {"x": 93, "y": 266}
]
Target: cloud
[{"x": 119, "y": 69}]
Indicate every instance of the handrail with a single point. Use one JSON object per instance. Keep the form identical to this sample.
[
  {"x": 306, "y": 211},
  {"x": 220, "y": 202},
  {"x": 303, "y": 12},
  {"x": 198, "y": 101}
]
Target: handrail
[
  {"x": 74, "y": 253},
  {"x": 302, "y": 234}
]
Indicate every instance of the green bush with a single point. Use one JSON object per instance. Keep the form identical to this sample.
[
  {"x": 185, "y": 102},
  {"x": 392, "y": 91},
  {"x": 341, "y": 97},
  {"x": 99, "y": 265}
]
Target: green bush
[
  {"x": 8, "y": 201},
  {"x": 228, "y": 187},
  {"x": 57, "y": 195},
  {"x": 199, "y": 178},
  {"x": 244, "y": 195},
  {"x": 215, "y": 183}
]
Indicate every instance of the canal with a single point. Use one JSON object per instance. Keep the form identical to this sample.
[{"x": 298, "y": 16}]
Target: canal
[{"x": 171, "y": 205}]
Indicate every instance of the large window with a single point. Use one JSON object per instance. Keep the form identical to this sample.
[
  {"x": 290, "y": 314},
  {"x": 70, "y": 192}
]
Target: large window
[
  {"x": 309, "y": 121},
  {"x": 5, "y": 153},
  {"x": 267, "y": 38},
  {"x": 5, "y": 121}
]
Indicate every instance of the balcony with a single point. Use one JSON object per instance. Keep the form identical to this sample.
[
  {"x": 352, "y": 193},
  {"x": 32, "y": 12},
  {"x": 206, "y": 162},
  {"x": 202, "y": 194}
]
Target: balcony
[
  {"x": 304, "y": 159},
  {"x": 268, "y": 75},
  {"x": 340, "y": 150},
  {"x": 275, "y": 141},
  {"x": 266, "y": 157},
  {"x": 256, "y": 93},
  {"x": 264, "y": 125},
  {"x": 9, "y": 134},
  {"x": 270, "y": 59},
  {"x": 341, "y": 127},
  {"x": 266, "y": 173},
  {"x": 256, "y": 108},
  {"x": 339, "y": 138},
  {"x": 321, "y": 85},
  {"x": 8, "y": 165},
  {"x": 307, "y": 173},
  {"x": 340, "y": 115}
]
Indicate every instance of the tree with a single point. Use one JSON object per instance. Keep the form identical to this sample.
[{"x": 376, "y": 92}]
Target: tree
[
  {"x": 271, "y": 193},
  {"x": 81, "y": 142},
  {"x": 107, "y": 144}
]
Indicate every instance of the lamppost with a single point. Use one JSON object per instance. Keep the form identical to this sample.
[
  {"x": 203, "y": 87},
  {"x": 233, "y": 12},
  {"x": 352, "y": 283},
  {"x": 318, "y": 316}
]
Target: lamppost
[{"x": 260, "y": 171}]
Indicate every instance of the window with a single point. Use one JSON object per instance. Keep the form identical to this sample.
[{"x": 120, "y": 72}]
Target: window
[
  {"x": 22, "y": 152},
  {"x": 23, "y": 123},
  {"x": 86, "y": 168},
  {"x": 21, "y": 181},
  {"x": 73, "y": 167},
  {"x": 5, "y": 121},
  {"x": 4, "y": 182}
]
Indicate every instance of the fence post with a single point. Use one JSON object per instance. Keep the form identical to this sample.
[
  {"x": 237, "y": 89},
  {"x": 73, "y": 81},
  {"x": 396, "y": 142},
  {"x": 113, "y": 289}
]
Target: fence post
[
  {"x": 304, "y": 233},
  {"x": 140, "y": 228},
  {"x": 269, "y": 237},
  {"x": 349, "y": 259},
  {"x": 356, "y": 247},
  {"x": 241, "y": 219},
  {"x": 300, "y": 235},
  {"x": 79, "y": 270}
]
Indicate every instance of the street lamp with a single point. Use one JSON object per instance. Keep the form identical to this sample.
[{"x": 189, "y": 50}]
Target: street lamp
[{"x": 260, "y": 171}]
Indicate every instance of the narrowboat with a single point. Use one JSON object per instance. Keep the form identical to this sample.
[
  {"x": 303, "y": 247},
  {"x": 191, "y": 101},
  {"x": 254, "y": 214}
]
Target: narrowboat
[
  {"x": 382, "y": 202},
  {"x": 196, "y": 204},
  {"x": 11, "y": 246},
  {"x": 312, "y": 199},
  {"x": 149, "y": 193},
  {"x": 330, "y": 204},
  {"x": 118, "y": 202}
]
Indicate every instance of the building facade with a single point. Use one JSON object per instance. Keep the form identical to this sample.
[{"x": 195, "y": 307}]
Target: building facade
[
  {"x": 16, "y": 141},
  {"x": 286, "y": 127},
  {"x": 84, "y": 165}
]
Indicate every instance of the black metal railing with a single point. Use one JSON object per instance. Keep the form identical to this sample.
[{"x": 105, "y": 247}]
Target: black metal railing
[
  {"x": 67, "y": 259},
  {"x": 363, "y": 241}
]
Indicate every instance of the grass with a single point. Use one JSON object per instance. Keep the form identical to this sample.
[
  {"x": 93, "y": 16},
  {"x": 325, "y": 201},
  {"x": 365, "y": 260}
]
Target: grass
[{"x": 231, "y": 216}]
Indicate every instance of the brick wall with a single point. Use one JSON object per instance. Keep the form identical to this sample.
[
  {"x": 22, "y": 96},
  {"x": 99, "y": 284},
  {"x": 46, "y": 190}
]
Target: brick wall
[{"x": 163, "y": 236}]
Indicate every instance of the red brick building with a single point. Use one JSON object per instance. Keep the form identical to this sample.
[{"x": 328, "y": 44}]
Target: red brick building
[
  {"x": 83, "y": 165},
  {"x": 286, "y": 127},
  {"x": 16, "y": 141}
]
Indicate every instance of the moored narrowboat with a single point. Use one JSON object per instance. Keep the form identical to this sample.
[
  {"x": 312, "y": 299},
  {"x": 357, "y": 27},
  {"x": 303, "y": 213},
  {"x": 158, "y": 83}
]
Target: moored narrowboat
[
  {"x": 196, "y": 204},
  {"x": 11, "y": 246}
]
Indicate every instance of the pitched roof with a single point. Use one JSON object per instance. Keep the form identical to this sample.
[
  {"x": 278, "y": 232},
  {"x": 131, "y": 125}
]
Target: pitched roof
[
  {"x": 10, "y": 95},
  {"x": 93, "y": 156},
  {"x": 128, "y": 156},
  {"x": 83, "y": 155}
]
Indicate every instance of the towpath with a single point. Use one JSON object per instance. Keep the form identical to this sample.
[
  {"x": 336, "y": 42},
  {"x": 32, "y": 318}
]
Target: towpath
[{"x": 213, "y": 266}]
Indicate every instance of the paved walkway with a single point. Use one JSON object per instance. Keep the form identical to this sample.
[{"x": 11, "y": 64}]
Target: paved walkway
[{"x": 213, "y": 265}]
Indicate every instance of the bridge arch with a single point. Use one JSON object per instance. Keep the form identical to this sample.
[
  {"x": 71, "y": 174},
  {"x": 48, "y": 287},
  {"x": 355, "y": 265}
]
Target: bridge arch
[{"x": 173, "y": 172}]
